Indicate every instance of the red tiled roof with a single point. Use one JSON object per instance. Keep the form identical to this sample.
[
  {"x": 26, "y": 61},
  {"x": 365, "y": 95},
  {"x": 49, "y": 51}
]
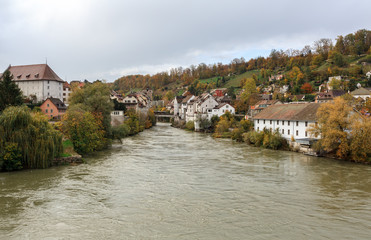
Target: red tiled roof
[
  {"x": 295, "y": 112},
  {"x": 33, "y": 73}
]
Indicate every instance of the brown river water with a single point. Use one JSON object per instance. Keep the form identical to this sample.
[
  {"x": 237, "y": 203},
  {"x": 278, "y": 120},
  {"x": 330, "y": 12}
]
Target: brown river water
[{"x": 167, "y": 183}]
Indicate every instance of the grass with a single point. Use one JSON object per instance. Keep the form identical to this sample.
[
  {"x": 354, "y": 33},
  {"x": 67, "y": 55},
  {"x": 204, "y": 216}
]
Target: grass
[
  {"x": 235, "y": 80},
  {"x": 210, "y": 80},
  {"x": 68, "y": 149}
]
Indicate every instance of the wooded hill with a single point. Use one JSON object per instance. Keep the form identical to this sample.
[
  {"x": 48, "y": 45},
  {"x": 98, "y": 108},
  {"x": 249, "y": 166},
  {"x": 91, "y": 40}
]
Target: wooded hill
[{"x": 349, "y": 57}]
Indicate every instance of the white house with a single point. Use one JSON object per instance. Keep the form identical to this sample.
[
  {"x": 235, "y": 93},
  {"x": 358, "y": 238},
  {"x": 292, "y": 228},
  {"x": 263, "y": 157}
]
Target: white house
[
  {"x": 184, "y": 106},
  {"x": 37, "y": 80},
  {"x": 291, "y": 120},
  {"x": 361, "y": 93},
  {"x": 66, "y": 92},
  {"x": 221, "y": 109}
]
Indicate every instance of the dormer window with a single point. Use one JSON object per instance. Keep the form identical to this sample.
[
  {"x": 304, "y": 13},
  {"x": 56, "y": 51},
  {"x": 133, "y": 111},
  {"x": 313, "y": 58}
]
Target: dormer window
[
  {"x": 19, "y": 76},
  {"x": 36, "y": 75},
  {"x": 28, "y": 75}
]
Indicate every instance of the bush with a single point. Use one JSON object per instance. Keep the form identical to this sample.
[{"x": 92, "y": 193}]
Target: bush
[
  {"x": 190, "y": 125},
  {"x": 266, "y": 139},
  {"x": 121, "y": 131},
  {"x": 11, "y": 157}
]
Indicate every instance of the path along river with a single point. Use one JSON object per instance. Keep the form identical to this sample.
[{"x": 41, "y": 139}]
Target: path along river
[{"x": 166, "y": 183}]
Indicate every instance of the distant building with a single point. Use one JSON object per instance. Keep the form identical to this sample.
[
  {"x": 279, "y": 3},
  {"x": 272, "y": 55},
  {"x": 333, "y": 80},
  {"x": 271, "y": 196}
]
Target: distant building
[
  {"x": 38, "y": 81},
  {"x": 54, "y": 108},
  {"x": 361, "y": 93},
  {"x": 66, "y": 92},
  {"x": 291, "y": 120},
  {"x": 328, "y": 96}
]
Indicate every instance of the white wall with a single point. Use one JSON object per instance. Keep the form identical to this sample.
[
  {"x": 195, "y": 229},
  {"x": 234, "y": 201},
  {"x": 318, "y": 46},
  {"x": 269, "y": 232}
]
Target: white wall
[
  {"x": 41, "y": 88},
  {"x": 297, "y": 129}
]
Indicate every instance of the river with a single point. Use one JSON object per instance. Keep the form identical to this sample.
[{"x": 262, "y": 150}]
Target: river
[{"x": 167, "y": 183}]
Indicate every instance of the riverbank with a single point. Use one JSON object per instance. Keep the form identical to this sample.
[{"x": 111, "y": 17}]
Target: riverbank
[{"x": 243, "y": 132}]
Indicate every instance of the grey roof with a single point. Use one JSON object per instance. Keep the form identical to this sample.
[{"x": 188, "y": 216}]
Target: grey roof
[
  {"x": 361, "y": 91},
  {"x": 294, "y": 112}
]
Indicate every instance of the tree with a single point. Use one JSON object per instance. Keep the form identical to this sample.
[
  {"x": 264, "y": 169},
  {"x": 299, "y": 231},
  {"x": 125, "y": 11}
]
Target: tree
[
  {"x": 84, "y": 129},
  {"x": 248, "y": 89},
  {"x": 333, "y": 123},
  {"x": 335, "y": 83},
  {"x": 307, "y": 88},
  {"x": 95, "y": 98},
  {"x": 31, "y": 134},
  {"x": 10, "y": 94},
  {"x": 170, "y": 95},
  {"x": 360, "y": 146},
  {"x": 296, "y": 75},
  {"x": 337, "y": 58}
]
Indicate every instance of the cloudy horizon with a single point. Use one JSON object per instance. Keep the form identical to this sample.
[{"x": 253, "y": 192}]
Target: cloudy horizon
[{"x": 95, "y": 39}]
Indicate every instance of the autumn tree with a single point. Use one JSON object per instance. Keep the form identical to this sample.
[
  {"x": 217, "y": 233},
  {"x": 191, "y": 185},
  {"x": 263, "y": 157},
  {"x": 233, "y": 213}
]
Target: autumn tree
[
  {"x": 296, "y": 75},
  {"x": 307, "y": 88},
  {"x": 333, "y": 125},
  {"x": 360, "y": 146}
]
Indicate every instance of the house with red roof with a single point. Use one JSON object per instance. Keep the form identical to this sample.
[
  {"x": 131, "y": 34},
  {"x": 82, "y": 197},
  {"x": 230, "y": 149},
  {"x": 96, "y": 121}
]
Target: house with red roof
[{"x": 37, "y": 80}]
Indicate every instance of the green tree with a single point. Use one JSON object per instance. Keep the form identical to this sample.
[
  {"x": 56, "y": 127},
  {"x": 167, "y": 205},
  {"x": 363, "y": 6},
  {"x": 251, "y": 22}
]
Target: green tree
[
  {"x": 337, "y": 58},
  {"x": 38, "y": 142},
  {"x": 170, "y": 95},
  {"x": 95, "y": 98},
  {"x": 84, "y": 129},
  {"x": 11, "y": 157},
  {"x": 10, "y": 94}
]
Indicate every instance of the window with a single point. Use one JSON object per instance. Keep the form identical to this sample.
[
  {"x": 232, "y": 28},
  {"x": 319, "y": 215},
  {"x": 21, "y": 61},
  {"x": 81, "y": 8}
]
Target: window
[
  {"x": 297, "y": 123},
  {"x": 306, "y": 124},
  {"x": 258, "y": 129},
  {"x": 283, "y": 131},
  {"x": 270, "y": 122},
  {"x": 47, "y": 104},
  {"x": 48, "y": 94},
  {"x": 278, "y": 122},
  {"x": 306, "y": 133},
  {"x": 264, "y": 121},
  {"x": 51, "y": 110},
  {"x": 48, "y": 87},
  {"x": 288, "y": 123},
  {"x": 258, "y": 120},
  {"x": 48, "y": 82},
  {"x": 297, "y": 132},
  {"x": 288, "y": 132},
  {"x": 283, "y": 123}
]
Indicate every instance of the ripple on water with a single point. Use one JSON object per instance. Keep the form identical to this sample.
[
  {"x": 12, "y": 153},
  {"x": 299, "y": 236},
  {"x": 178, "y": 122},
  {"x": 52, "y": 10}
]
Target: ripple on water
[{"x": 167, "y": 183}]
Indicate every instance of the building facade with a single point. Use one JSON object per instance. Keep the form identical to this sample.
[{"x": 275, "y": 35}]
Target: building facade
[
  {"x": 37, "y": 81},
  {"x": 290, "y": 120}
]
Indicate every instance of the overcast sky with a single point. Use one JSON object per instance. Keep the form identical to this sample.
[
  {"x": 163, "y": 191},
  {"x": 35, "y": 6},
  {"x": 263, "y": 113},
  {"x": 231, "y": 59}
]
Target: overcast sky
[{"x": 96, "y": 39}]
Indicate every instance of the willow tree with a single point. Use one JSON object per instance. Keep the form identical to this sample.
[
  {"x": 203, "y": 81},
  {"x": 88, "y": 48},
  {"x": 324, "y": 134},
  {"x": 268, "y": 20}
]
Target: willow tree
[{"x": 38, "y": 142}]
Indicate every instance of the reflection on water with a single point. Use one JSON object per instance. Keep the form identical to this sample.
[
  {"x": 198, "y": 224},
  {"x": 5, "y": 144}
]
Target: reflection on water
[{"x": 167, "y": 183}]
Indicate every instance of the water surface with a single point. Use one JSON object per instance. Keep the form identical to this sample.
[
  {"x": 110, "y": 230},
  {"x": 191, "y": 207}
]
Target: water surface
[{"x": 166, "y": 183}]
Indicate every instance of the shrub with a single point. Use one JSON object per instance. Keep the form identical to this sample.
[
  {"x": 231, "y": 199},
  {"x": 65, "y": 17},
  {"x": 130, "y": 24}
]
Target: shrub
[
  {"x": 190, "y": 125},
  {"x": 121, "y": 131},
  {"x": 12, "y": 157}
]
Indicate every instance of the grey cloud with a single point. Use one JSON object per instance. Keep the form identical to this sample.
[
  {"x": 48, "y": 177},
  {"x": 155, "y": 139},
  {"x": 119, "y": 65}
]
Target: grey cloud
[{"x": 101, "y": 39}]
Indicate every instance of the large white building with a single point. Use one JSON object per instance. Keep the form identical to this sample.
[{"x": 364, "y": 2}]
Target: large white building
[
  {"x": 291, "y": 120},
  {"x": 38, "y": 81}
]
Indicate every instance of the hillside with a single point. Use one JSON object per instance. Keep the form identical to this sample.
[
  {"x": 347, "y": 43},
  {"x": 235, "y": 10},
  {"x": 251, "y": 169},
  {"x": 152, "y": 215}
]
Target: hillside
[{"x": 349, "y": 56}]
